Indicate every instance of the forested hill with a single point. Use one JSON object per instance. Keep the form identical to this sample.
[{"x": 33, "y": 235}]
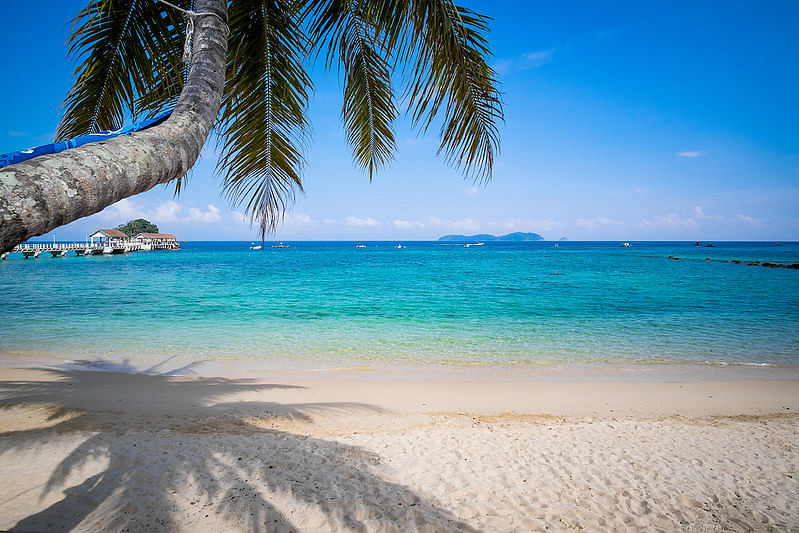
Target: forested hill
[{"x": 513, "y": 237}]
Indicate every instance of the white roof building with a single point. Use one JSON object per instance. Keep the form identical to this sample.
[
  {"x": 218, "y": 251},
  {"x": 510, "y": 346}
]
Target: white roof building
[
  {"x": 155, "y": 237},
  {"x": 107, "y": 235}
]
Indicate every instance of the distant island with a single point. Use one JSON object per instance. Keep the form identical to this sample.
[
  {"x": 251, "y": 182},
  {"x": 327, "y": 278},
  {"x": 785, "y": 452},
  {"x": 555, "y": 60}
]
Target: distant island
[{"x": 515, "y": 237}]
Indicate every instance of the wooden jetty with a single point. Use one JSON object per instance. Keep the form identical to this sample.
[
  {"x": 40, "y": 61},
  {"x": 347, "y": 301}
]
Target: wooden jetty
[
  {"x": 61, "y": 249},
  {"x": 109, "y": 242}
]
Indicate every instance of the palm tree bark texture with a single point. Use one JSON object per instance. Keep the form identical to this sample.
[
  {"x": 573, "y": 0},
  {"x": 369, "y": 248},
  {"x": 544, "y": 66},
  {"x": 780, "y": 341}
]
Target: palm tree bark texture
[{"x": 43, "y": 193}]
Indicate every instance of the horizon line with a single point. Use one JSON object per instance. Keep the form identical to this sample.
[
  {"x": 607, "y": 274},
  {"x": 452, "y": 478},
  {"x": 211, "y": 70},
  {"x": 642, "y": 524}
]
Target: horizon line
[{"x": 788, "y": 241}]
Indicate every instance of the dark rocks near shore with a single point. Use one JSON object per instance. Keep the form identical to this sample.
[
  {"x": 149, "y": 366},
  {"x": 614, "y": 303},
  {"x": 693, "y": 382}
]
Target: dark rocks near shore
[
  {"x": 793, "y": 266},
  {"x": 790, "y": 266}
]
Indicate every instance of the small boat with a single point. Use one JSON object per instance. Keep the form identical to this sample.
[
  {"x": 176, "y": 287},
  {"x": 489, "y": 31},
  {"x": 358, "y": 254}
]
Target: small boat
[
  {"x": 253, "y": 246},
  {"x": 697, "y": 243},
  {"x": 626, "y": 244},
  {"x": 557, "y": 245},
  {"x": 470, "y": 244},
  {"x": 360, "y": 246},
  {"x": 281, "y": 245},
  {"x": 399, "y": 246}
]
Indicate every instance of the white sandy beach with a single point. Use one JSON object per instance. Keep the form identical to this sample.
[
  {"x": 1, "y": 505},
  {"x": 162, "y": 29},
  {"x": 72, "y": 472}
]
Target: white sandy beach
[{"x": 92, "y": 451}]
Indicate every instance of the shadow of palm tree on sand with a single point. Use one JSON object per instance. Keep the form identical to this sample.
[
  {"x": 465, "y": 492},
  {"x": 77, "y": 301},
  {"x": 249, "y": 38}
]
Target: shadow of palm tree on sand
[{"x": 237, "y": 470}]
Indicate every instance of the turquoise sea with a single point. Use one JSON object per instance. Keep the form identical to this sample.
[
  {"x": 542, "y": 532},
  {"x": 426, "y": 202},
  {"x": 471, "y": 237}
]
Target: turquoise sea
[{"x": 331, "y": 304}]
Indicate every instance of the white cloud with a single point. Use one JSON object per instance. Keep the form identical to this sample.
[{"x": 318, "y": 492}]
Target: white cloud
[
  {"x": 674, "y": 220},
  {"x": 691, "y": 154},
  {"x": 503, "y": 66},
  {"x": 466, "y": 224},
  {"x": 545, "y": 224},
  {"x": 404, "y": 224},
  {"x": 356, "y": 222},
  {"x": 526, "y": 61},
  {"x": 699, "y": 214},
  {"x": 204, "y": 217},
  {"x": 671, "y": 220},
  {"x": 299, "y": 219},
  {"x": 695, "y": 219},
  {"x": 536, "y": 59},
  {"x": 121, "y": 212},
  {"x": 329, "y": 221},
  {"x": 519, "y": 224},
  {"x": 165, "y": 212},
  {"x": 508, "y": 224},
  {"x": 290, "y": 220},
  {"x": 168, "y": 212},
  {"x": 471, "y": 191},
  {"x": 598, "y": 221}
]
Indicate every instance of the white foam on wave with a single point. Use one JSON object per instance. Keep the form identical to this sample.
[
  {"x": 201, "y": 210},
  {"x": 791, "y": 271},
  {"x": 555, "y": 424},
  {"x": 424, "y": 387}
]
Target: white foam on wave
[{"x": 736, "y": 363}]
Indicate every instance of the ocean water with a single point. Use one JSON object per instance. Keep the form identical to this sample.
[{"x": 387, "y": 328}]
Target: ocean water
[{"x": 332, "y": 304}]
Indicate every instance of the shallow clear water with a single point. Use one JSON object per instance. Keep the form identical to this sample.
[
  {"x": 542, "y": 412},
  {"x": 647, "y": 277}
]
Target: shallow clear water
[{"x": 332, "y": 303}]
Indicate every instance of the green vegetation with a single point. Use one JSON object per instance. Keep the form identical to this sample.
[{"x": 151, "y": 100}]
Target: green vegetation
[
  {"x": 512, "y": 237},
  {"x": 137, "y": 226}
]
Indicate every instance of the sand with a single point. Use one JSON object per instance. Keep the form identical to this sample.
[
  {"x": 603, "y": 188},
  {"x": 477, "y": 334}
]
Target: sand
[{"x": 91, "y": 451}]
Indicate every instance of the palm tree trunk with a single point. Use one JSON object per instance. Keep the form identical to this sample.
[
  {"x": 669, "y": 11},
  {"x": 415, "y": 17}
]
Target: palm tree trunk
[{"x": 49, "y": 191}]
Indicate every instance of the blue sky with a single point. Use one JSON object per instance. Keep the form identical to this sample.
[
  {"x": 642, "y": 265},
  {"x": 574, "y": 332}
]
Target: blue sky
[{"x": 624, "y": 121}]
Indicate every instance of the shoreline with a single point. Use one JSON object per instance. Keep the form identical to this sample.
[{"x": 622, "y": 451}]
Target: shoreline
[{"x": 406, "y": 370}]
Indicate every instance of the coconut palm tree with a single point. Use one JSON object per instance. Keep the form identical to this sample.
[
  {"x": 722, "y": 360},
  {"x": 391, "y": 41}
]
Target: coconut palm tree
[{"x": 246, "y": 76}]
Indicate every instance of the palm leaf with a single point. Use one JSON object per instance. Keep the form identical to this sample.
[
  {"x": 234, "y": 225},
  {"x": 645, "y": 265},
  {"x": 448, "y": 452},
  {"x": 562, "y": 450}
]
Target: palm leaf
[
  {"x": 446, "y": 50},
  {"x": 125, "y": 51},
  {"x": 263, "y": 124},
  {"x": 163, "y": 91},
  {"x": 345, "y": 28}
]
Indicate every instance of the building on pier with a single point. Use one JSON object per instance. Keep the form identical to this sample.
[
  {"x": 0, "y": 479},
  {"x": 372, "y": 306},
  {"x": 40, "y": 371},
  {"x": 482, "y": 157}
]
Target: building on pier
[
  {"x": 157, "y": 241},
  {"x": 101, "y": 242},
  {"x": 109, "y": 237}
]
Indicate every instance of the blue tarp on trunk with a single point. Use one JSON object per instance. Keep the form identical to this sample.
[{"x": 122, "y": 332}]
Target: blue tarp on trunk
[{"x": 12, "y": 158}]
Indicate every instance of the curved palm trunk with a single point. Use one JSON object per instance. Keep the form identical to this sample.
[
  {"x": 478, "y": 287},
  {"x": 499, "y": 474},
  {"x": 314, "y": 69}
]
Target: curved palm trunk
[{"x": 49, "y": 191}]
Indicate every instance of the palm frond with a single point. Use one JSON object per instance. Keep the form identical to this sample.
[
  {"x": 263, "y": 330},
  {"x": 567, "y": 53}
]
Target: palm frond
[
  {"x": 446, "y": 51},
  {"x": 163, "y": 91},
  {"x": 263, "y": 124},
  {"x": 125, "y": 51},
  {"x": 368, "y": 113}
]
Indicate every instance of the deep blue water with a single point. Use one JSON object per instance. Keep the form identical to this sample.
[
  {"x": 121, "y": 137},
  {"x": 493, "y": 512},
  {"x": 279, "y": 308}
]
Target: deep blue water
[{"x": 332, "y": 303}]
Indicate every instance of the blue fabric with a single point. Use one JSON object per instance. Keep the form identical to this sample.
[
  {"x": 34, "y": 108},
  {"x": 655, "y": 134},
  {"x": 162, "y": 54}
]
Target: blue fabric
[{"x": 12, "y": 158}]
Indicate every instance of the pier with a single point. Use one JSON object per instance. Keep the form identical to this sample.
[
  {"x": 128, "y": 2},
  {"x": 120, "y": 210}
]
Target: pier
[
  {"x": 109, "y": 242},
  {"x": 61, "y": 249}
]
